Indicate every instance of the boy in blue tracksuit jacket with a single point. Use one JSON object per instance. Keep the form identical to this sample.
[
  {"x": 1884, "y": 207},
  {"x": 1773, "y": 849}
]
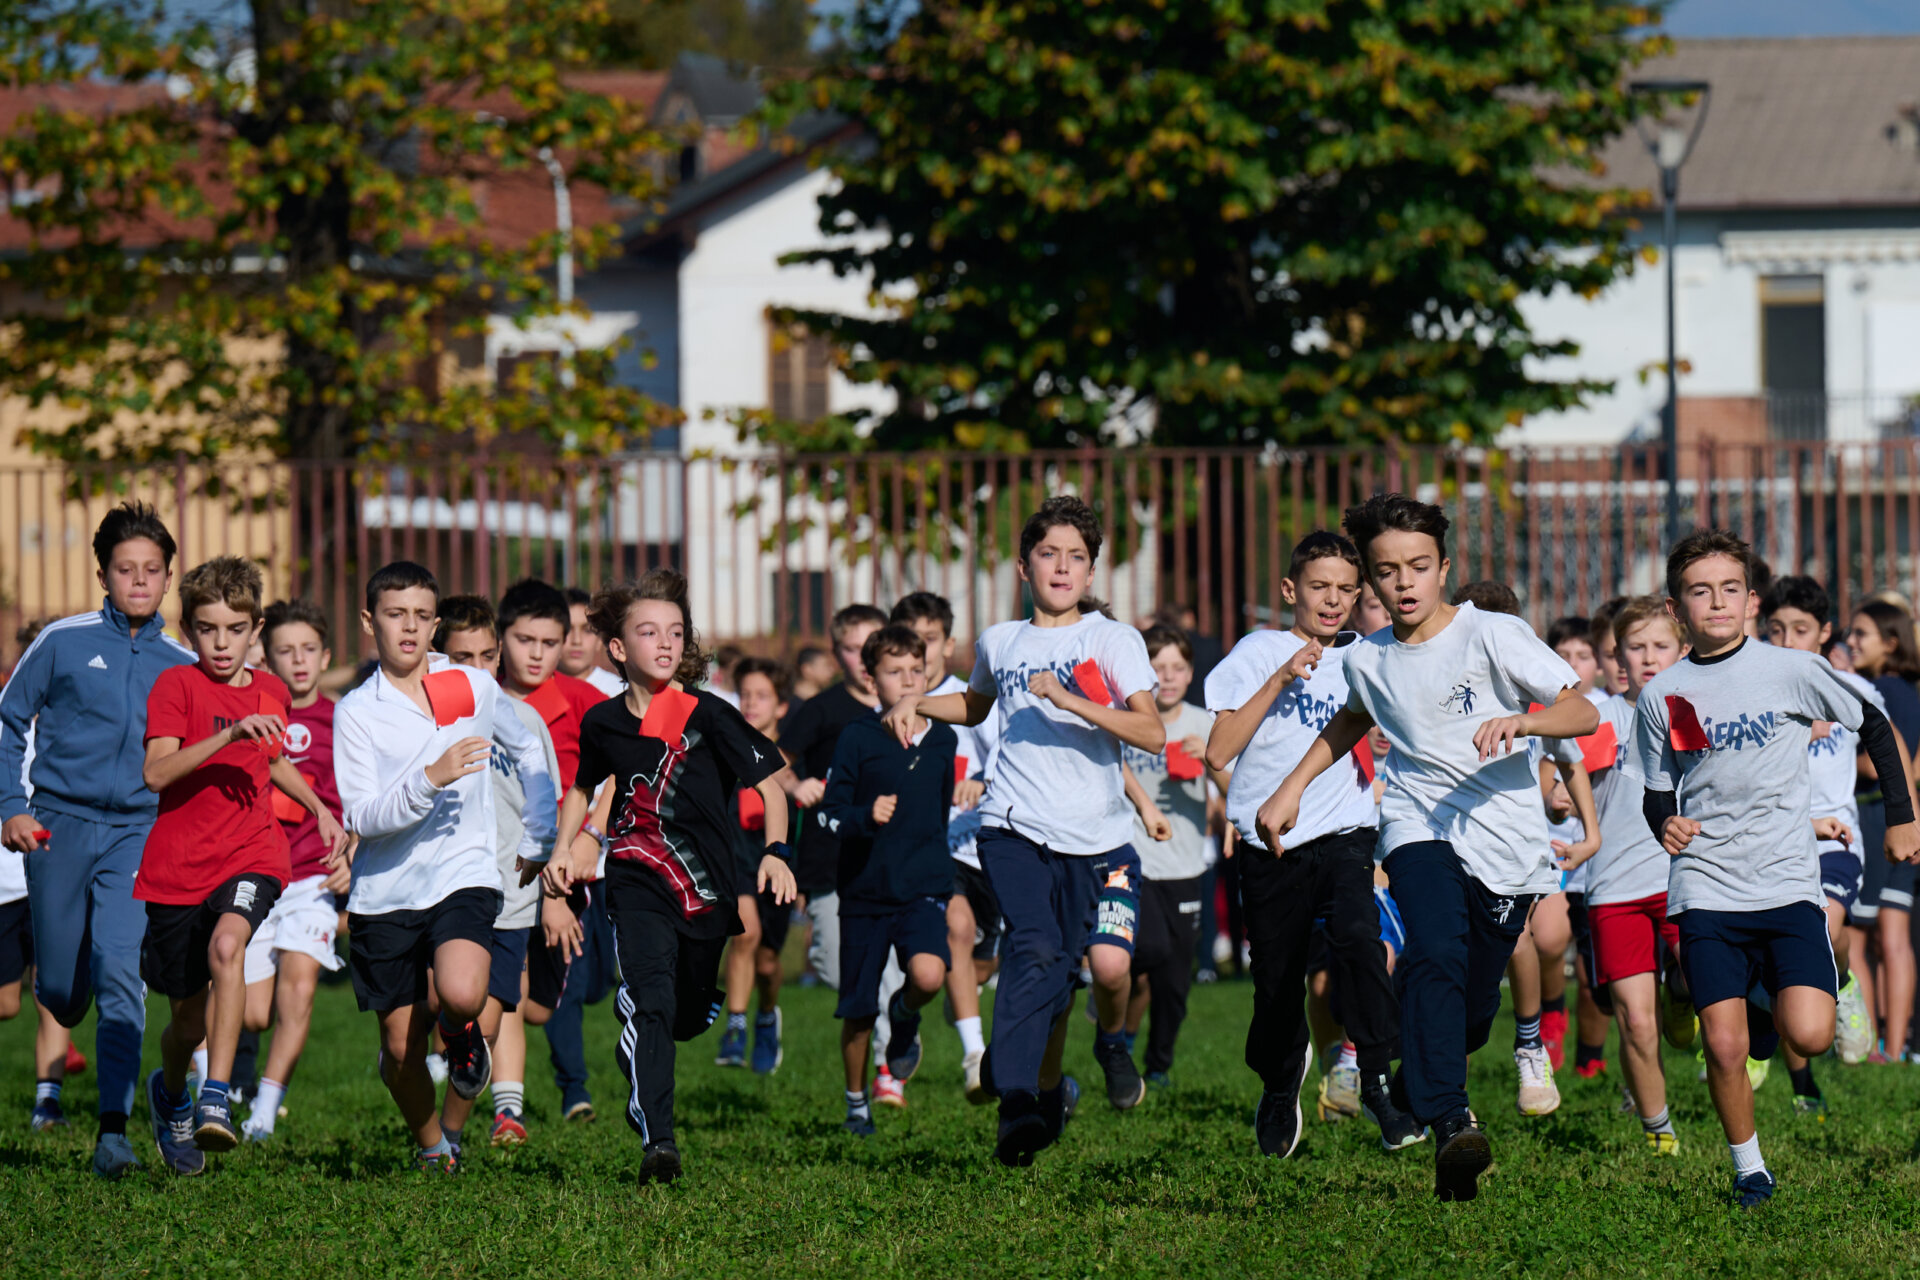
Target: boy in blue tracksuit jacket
[
  {"x": 85, "y": 680},
  {"x": 887, "y": 805}
]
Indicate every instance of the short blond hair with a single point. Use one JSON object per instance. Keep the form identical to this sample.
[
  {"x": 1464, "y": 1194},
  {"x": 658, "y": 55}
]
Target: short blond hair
[
  {"x": 228, "y": 580},
  {"x": 1641, "y": 609}
]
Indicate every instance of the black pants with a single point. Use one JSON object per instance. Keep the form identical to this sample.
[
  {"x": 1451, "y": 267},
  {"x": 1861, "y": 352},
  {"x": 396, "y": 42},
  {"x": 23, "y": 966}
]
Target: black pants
[
  {"x": 670, "y": 991},
  {"x": 1163, "y": 955},
  {"x": 1329, "y": 879},
  {"x": 1460, "y": 936}
]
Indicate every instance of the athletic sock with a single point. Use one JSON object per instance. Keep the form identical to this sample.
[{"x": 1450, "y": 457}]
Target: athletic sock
[
  {"x": 737, "y": 1021},
  {"x": 1558, "y": 1004},
  {"x": 1662, "y": 1123},
  {"x": 1746, "y": 1157},
  {"x": 1110, "y": 1040},
  {"x": 857, "y": 1108},
  {"x": 113, "y": 1122},
  {"x": 1803, "y": 1083},
  {"x": 213, "y": 1092},
  {"x": 971, "y": 1041},
  {"x": 509, "y": 1096},
  {"x": 444, "y": 1147},
  {"x": 1349, "y": 1056},
  {"x": 1526, "y": 1032},
  {"x": 451, "y": 1135},
  {"x": 1587, "y": 1053},
  {"x": 266, "y": 1103},
  {"x": 46, "y": 1091}
]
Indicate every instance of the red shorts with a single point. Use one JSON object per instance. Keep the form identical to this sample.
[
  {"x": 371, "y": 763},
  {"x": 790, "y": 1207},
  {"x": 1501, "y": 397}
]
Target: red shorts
[{"x": 1627, "y": 937}]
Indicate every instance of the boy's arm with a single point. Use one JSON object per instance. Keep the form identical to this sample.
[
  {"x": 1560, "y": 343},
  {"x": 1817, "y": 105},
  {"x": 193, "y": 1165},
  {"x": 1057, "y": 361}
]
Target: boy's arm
[
  {"x": 539, "y": 785},
  {"x": 969, "y": 707},
  {"x": 775, "y": 873},
  {"x": 1570, "y": 716},
  {"x": 289, "y": 780},
  {"x": 1580, "y": 788},
  {"x": 21, "y": 700},
  {"x": 168, "y": 762},
  {"x": 1890, "y": 761},
  {"x": 1282, "y": 809},
  {"x": 1234, "y": 729},
  {"x": 1150, "y": 816},
  {"x": 838, "y": 808},
  {"x": 558, "y": 872},
  {"x": 1137, "y": 724},
  {"x": 374, "y": 806}
]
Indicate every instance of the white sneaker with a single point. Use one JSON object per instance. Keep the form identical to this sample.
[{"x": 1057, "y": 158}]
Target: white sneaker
[
  {"x": 1539, "y": 1095},
  {"x": 1852, "y": 1031},
  {"x": 1339, "y": 1094},
  {"x": 437, "y": 1067},
  {"x": 970, "y": 1065}
]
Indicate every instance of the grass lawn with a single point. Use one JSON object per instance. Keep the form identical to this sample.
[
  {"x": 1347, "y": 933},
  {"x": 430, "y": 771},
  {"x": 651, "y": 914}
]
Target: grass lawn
[{"x": 775, "y": 1188}]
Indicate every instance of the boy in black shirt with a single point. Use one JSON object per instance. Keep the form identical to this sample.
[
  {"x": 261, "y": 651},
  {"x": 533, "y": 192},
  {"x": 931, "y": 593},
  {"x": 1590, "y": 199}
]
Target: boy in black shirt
[
  {"x": 887, "y": 805},
  {"x": 677, "y": 759}
]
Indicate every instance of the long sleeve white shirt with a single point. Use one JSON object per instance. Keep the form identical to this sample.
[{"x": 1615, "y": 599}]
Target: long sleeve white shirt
[{"x": 420, "y": 843}]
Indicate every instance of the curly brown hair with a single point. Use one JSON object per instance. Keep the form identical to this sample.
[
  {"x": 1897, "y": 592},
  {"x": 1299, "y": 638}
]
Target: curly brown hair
[
  {"x": 608, "y": 614},
  {"x": 227, "y": 580}
]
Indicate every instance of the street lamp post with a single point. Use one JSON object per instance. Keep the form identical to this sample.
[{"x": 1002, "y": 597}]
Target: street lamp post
[{"x": 1670, "y": 143}]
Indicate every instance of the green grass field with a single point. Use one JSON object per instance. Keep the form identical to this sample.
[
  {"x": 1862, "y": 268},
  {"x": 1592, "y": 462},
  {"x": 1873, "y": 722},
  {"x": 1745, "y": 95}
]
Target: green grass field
[{"x": 775, "y": 1188}]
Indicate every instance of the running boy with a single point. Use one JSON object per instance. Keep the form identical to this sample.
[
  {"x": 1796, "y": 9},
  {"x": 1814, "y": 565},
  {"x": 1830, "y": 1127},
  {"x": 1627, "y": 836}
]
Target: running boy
[
  {"x": 1723, "y": 738},
  {"x": 753, "y": 957},
  {"x": 1464, "y": 826},
  {"x": 414, "y": 747},
  {"x": 889, "y": 808},
  {"x": 216, "y": 858},
  {"x": 1072, "y": 686}
]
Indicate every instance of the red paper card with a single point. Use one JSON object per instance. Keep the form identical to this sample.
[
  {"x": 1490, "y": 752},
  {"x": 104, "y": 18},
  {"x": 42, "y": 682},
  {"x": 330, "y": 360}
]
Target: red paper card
[
  {"x": 1599, "y": 749},
  {"x": 1363, "y": 756},
  {"x": 959, "y": 770},
  {"x": 450, "y": 694},
  {"x": 667, "y": 715},
  {"x": 270, "y": 747},
  {"x": 1684, "y": 730},
  {"x": 286, "y": 808},
  {"x": 1181, "y": 766},
  {"x": 550, "y": 701},
  {"x": 753, "y": 810},
  {"x": 1093, "y": 687}
]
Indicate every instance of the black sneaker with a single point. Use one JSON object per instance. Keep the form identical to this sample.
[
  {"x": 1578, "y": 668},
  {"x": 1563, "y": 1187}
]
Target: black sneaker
[
  {"x": 213, "y": 1127},
  {"x": 469, "y": 1062},
  {"x": 1276, "y": 1121},
  {"x": 660, "y": 1162},
  {"x": 1125, "y": 1088},
  {"x": 1058, "y": 1105},
  {"x": 903, "y": 1039},
  {"x": 1461, "y": 1154},
  {"x": 860, "y": 1126},
  {"x": 1753, "y": 1190},
  {"x": 1398, "y": 1130},
  {"x": 1024, "y": 1129}
]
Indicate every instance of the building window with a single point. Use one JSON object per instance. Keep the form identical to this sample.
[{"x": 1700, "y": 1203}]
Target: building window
[
  {"x": 797, "y": 365},
  {"x": 1793, "y": 355}
]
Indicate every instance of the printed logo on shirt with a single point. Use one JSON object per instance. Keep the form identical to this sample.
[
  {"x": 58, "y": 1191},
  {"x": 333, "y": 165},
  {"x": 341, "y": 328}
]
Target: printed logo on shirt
[
  {"x": 1317, "y": 713},
  {"x": 1013, "y": 680},
  {"x": 299, "y": 739},
  {"x": 1833, "y": 742},
  {"x": 1737, "y": 734},
  {"x": 1503, "y": 907},
  {"x": 1460, "y": 699},
  {"x": 99, "y": 663}
]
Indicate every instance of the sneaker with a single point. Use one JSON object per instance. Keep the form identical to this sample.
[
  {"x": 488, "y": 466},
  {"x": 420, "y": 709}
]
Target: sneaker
[
  {"x": 425, "y": 1161},
  {"x": 1663, "y": 1144},
  {"x": 1339, "y": 1095},
  {"x": 469, "y": 1062},
  {"x": 1398, "y": 1130},
  {"x": 256, "y": 1128},
  {"x": 508, "y": 1129},
  {"x": 768, "y": 1052},
  {"x": 1461, "y": 1154},
  {"x": 1852, "y": 1029},
  {"x": 903, "y": 1044},
  {"x": 1070, "y": 1093},
  {"x": 113, "y": 1156},
  {"x": 1679, "y": 1022},
  {"x": 437, "y": 1068},
  {"x": 1757, "y": 1072},
  {"x": 980, "y": 1088},
  {"x": 1592, "y": 1069},
  {"x": 1626, "y": 1103},
  {"x": 581, "y": 1111},
  {"x": 660, "y": 1162},
  {"x": 1553, "y": 1034},
  {"x": 48, "y": 1115},
  {"x": 1753, "y": 1190},
  {"x": 1024, "y": 1129},
  {"x": 1539, "y": 1096},
  {"x": 1276, "y": 1121},
  {"x": 859, "y": 1126},
  {"x": 733, "y": 1048},
  {"x": 1125, "y": 1088},
  {"x": 1877, "y": 1058},
  {"x": 172, "y": 1133},
  {"x": 213, "y": 1127},
  {"x": 76, "y": 1061},
  {"x": 1700, "y": 1057},
  {"x": 1814, "y": 1108},
  {"x": 1158, "y": 1080},
  {"x": 888, "y": 1092}
]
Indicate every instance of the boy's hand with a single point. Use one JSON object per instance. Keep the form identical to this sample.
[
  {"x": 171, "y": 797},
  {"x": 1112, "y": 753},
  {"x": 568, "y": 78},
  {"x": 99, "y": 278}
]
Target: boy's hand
[
  {"x": 1156, "y": 824},
  {"x": 465, "y": 757},
  {"x": 1046, "y": 685},
  {"x": 1276, "y": 817},
  {"x": 808, "y": 793},
  {"x": 899, "y": 720},
  {"x": 256, "y": 728},
  {"x": 1832, "y": 829},
  {"x": 528, "y": 871},
  {"x": 1678, "y": 833},
  {"x": 1300, "y": 666},
  {"x": 332, "y": 834},
  {"x": 560, "y": 926},
  {"x": 22, "y": 833},
  {"x": 586, "y": 859},
  {"x": 968, "y": 792},
  {"x": 1903, "y": 842},
  {"x": 883, "y": 808},
  {"x": 556, "y": 878},
  {"x": 1194, "y": 745},
  {"x": 776, "y": 875},
  {"x": 1568, "y": 856},
  {"x": 1497, "y": 736}
]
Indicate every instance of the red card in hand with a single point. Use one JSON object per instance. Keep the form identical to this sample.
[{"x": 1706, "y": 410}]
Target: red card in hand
[
  {"x": 289, "y": 810},
  {"x": 1599, "y": 749},
  {"x": 753, "y": 810},
  {"x": 667, "y": 716},
  {"x": 1093, "y": 687},
  {"x": 959, "y": 770},
  {"x": 270, "y": 747},
  {"x": 1181, "y": 766},
  {"x": 1684, "y": 730},
  {"x": 550, "y": 700},
  {"x": 450, "y": 694},
  {"x": 1363, "y": 756}
]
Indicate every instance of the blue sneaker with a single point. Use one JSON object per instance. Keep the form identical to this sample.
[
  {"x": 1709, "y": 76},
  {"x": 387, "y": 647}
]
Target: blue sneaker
[
  {"x": 733, "y": 1048},
  {"x": 48, "y": 1115},
  {"x": 903, "y": 1046},
  {"x": 1753, "y": 1190},
  {"x": 113, "y": 1156},
  {"x": 1070, "y": 1089},
  {"x": 1158, "y": 1080},
  {"x": 860, "y": 1126},
  {"x": 767, "y": 1050},
  {"x": 172, "y": 1131},
  {"x": 213, "y": 1127}
]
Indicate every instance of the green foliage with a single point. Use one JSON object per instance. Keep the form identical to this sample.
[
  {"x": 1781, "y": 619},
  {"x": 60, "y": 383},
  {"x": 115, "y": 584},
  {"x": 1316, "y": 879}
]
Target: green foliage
[
  {"x": 223, "y": 261},
  {"x": 1285, "y": 221},
  {"x": 747, "y": 33}
]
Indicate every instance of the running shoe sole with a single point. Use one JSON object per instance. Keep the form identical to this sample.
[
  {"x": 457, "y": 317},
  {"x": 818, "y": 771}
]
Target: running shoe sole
[
  {"x": 1459, "y": 1164},
  {"x": 1023, "y": 1139}
]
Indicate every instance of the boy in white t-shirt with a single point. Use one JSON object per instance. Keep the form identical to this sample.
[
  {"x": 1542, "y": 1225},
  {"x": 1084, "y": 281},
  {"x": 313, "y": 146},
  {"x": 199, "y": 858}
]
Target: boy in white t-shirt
[
  {"x": 1071, "y": 687},
  {"x": 1464, "y": 827},
  {"x": 1273, "y": 695}
]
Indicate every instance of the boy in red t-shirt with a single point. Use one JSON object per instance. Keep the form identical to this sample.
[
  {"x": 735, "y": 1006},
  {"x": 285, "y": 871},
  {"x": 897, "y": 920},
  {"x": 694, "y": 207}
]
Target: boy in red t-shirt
[
  {"x": 216, "y": 858},
  {"x": 295, "y": 942}
]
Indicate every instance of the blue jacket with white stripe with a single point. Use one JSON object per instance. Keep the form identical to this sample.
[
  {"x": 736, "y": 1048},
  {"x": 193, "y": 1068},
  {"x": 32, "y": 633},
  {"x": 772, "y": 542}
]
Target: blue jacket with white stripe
[{"x": 86, "y": 680}]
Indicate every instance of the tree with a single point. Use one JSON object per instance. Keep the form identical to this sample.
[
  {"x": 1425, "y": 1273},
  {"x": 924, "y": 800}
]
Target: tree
[
  {"x": 260, "y": 246},
  {"x": 747, "y": 33},
  {"x": 1233, "y": 222}
]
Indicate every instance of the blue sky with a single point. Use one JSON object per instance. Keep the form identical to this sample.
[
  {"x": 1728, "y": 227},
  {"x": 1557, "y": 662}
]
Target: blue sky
[{"x": 1793, "y": 17}]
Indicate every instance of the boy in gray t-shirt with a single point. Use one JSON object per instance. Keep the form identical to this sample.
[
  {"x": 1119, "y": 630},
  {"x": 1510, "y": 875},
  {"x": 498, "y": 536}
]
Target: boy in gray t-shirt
[{"x": 1722, "y": 740}]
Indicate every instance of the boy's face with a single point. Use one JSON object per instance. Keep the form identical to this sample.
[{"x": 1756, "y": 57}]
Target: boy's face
[
  {"x": 847, "y": 650},
  {"x": 136, "y": 578},
  {"x": 1715, "y": 601},
  {"x": 899, "y": 675},
  {"x": 652, "y": 640},
  {"x": 1797, "y": 629},
  {"x": 1606, "y": 655},
  {"x": 939, "y": 648},
  {"x": 401, "y": 624},
  {"x": 1175, "y": 674},
  {"x": 1369, "y": 614},
  {"x": 1577, "y": 651},
  {"x": 581, "y": 649},
  {"x": 1322, "y": 596},
  {"x": 532, "y": 649},
  {"x": 221, "y": 636},
  {"x": 760, "y": 702},
  {"x": 819, "y": 670},
  {"x": 1649, "y": 648},
  {"x": 474, "y": 647},
  {"x": 1058, "y": 570},
  {"x": 1410, "y": 575},
  {"x": 297, "y": 654}
]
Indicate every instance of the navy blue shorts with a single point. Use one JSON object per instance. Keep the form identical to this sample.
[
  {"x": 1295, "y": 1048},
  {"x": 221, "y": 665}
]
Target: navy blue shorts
[
  {"x": 16, "y": 941},
  {"x": 917, "y": 929},
  {"x": 1725, "y": 953},
  {"x": 1118, "y": 916},
  {"x": 509, "y": 948},
  {"x": 1840, "y": 876}
]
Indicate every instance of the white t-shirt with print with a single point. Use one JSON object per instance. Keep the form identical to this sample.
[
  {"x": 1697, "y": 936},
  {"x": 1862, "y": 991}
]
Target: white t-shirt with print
[
  {"x": 1183, "y": 801},
  {"x": 1630, "y": 865},
  {"x": 973, "y": 756},
  {"x": 1834, "y": 766}
]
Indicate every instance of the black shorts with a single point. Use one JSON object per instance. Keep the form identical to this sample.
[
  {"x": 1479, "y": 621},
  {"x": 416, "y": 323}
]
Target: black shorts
[
  {"x": 16, "y": 941},
  {"x": 509, "y": 961},
  {"x": 776, "y": 921},
  {"x": 173, "y": 955},
  {"x": 1727, "y": 953},
  {"x": 989, "y": 926},
  {"x": 917, "y": 929},
  {"x": 547, "y": 967},
  {"x": 392, "y": 952}
]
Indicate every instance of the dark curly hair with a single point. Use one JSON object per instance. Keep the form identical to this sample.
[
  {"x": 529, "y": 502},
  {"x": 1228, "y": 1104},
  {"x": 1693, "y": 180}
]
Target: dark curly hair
[{"x": 608, "y": 614}]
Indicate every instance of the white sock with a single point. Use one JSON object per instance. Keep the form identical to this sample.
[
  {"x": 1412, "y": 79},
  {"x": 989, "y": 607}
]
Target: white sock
[
  {"x": 1349, "y": 1056},
  {"x": 1746, "y": 1157},
  {"x": 200, "y": 1063},
  {"x": 46, "y": 1090},
  {"x": 266, "y": 1105},
  {"x": 971, "y": 1041},
  {"x": 857, "y": 1108},
  {"x": 510, "y": 1095}
]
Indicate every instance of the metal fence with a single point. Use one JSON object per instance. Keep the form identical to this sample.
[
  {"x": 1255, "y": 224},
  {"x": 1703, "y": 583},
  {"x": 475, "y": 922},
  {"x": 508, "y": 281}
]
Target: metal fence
[{"x": 774, "y": 544}]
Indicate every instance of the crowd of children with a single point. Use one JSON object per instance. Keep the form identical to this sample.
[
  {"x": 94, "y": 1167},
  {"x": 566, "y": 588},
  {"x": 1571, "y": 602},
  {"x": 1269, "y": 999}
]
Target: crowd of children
[{"x": 1698, "y": 804}]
